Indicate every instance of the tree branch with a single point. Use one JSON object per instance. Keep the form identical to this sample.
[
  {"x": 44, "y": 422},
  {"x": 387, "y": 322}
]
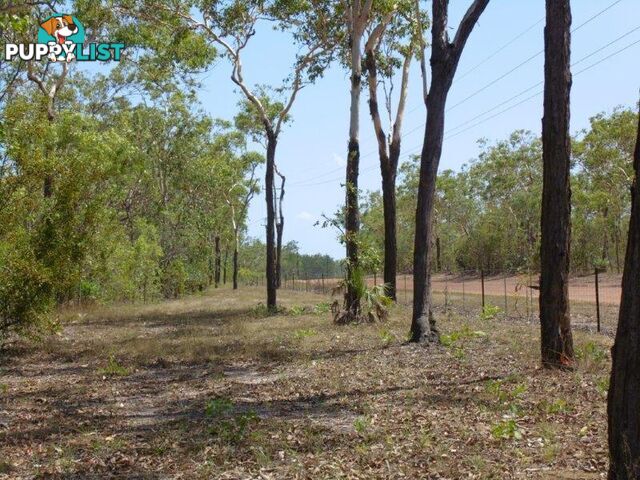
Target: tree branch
[{"x": 466, "y": 25}]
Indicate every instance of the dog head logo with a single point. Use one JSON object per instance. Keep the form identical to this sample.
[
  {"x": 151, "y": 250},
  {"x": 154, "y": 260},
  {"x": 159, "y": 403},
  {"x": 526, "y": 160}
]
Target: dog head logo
[
  {"x": 61, "y": 29},
  {"x": 61, "y": 38}
]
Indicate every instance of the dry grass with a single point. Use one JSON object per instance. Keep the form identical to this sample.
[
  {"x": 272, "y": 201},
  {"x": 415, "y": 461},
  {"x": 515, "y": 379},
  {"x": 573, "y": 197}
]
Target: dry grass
[{"x": 208, "y": 387}]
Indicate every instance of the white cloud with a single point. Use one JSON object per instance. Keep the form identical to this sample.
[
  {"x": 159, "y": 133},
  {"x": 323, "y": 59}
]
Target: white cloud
[
  {"x": 341, "y": 162},
  {"x": 306, "y": 216}
]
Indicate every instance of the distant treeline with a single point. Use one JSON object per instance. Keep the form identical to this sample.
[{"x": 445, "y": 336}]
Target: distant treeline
[
  {"x": 488, "y": 213},
  {"x": 294, "y": 264}
]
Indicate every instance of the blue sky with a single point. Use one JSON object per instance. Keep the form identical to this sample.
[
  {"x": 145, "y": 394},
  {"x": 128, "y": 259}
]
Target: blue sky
[{"x": 312, "y": 149}]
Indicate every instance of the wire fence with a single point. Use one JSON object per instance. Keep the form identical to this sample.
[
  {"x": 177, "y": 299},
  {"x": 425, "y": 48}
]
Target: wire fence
[{"x": 594, "y": 299}]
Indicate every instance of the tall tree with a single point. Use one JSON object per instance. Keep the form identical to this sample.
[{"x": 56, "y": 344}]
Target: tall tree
[
  {"x": 445, "y": 56},
  {"x": 555, "y": 220},
  {"x": 239, "y": 205},
  {"x": 279, "y": 228},
  {"x": 358, "y": 18},
  {"x": 231, "y": 25},
  {"x": 386, "y": 42},
  {"x": 623, "y": 406}
]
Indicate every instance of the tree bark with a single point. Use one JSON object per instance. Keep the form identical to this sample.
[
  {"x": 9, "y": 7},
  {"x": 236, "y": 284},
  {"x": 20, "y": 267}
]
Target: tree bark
[
  {"x": 271, "y": 253},
  {"x": 235, "y": 266},
  {"x": 279, "y": 230},
  {"x": 352, "y": 212},
  {"x": 389, "y": 174},
  {"x": 555, "y": 322},
  {"x": 445, "y": 56},
  {"x": 389, "y": 155},
  {"x": 224, "y": 265},
  {"x": 216, "y": 271},
  {"x": 623, "y": 405}
]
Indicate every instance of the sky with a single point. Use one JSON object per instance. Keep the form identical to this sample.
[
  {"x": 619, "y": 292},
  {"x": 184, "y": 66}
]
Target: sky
[{"x": 493, "y": 95}]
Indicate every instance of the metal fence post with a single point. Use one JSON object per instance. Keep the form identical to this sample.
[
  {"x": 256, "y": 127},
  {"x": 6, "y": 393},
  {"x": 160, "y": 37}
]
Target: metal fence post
[
  {"x": 405, "y": 288},
  {"x": 505, "y": 296},
  {"x": 323, "y": 283},
  {"x": 597, "y": 300},
  {"x": 375, "y": 279},
  {"x": 463, "y": 295},
  {"x": 482, "y": 283},
  {"x": 446, "y": 291}
]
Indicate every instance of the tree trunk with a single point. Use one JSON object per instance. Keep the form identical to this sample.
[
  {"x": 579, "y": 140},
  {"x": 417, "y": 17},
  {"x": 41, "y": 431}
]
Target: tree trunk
[
  {"x": 279, "y": 231},
  {"x": 423, "y": 328},
  {"x": 216, "y": 272},
  {"x": 389, "y": 157},
  {"x": 224, "y": 265},
  {"x": 445, "y": 56},
  {"x": 438, "y": 260},
  {"x": 616, "y": 239},
  {"x": 555, "y": 323},
  {"x": 390, "y": 223},
  {"x": 271, "y": 252},
  {"x": 623, "y": 406},
  {"x": 352, "y": 211},
  {"x": 235, "y": 266}
]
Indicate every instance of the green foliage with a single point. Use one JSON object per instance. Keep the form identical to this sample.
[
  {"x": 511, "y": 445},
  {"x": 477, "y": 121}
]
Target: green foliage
[
  {"x": 591, "y": 355},
  {"x": 507, "y": 429},
  {"x": 321, "y": 308},
  {"x": 489, "y": 312},
  {"x": 304, "y": 333},
  {"x": 487, "y": 215},
  {"x": 386, "y": 336},
  {"x": 218, "y": 407},
  {"x": 557, "y": 406},
  {"x": 228, "y": 427},
  {"x": 362, "y": 425},
  {"x": 114, "y": 368}
]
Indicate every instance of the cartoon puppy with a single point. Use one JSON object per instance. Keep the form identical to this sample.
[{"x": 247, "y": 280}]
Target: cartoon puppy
[{"x": 60, "y": 28}]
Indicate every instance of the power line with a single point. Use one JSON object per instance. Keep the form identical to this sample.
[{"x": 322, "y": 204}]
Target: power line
[
  {"x": 532, "y": 57},
  {"x": 449, "y": 135},
  {"x": 526, "y": 90},
  {"x": 499, "y": 50},
  {"x": 485, "y": 87},
  {"x": 617, "y": 52}
]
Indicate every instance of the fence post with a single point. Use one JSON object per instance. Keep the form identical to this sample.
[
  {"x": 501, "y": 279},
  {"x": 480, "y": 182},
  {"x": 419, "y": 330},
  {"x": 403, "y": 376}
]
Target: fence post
[
  {"x": 446, "y": 292},
  {"x": 463, "y": 293},
  {"x": 323, "y": 283},
  {"x": 482, "y": 283},
  {"x": 597, "y": 300},
  {"x": 405, "y": 288},
  {"x": 505, "y": 296},
  {"x": 306, "y": 282},
  {"x": 375, "y": 279}
]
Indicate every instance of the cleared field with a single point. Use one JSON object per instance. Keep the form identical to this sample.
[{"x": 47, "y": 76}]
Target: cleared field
[{"x": 209, "y": 387}]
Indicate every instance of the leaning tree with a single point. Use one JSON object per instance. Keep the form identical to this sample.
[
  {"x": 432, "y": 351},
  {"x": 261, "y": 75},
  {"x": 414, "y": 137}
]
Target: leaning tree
[
  {"x": 445, "y": 56},
  {"x": 624, "y": 387}
]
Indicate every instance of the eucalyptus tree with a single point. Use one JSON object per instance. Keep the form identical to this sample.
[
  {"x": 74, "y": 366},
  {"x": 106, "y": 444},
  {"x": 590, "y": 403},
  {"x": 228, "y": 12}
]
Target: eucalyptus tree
[
  {"x": 623, "y": 405},
  {"x": 445, "y": 55},
  {"x": 555, "y": 236},
  {"x": 604, "y": 157},
  {"x": 238, "y": 196},
  {"x": 231, "y": 25},
  {"x": 391, "y": 46},
  {"x": 363, "y": 18}
]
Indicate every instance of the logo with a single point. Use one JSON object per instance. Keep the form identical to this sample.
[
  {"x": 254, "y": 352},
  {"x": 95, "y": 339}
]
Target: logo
[{"x": 61, "y": 38}]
